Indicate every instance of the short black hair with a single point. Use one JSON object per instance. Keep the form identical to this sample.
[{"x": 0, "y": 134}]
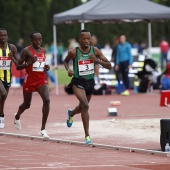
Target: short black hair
[
  {"x": 2, "y": 29},
  {"x": 32, "y": 34},
  {"x": 84, "y": 30}
]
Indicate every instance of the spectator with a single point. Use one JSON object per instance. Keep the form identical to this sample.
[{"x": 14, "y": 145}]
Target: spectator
[
  {"x": 50, "y": 61},
  {"x": 124, "y": 62},
  {"x": 19, "y": 46},
  {"x": 114, "y": 52},
  {"x": 94, "y": 43},
  {"x": 142, "y": 47},
  {"x": 52, "y": 52},
  {"x": 164, "y": 47},
  {"x": 107, "y": 46},
  {"x": 135, "y": 45},
  {"x": 60, "y": 50},
  {"x": 72, "y": 43},
  {"x": 165, "y": 81},
  {"x": 46, "y": 47}
]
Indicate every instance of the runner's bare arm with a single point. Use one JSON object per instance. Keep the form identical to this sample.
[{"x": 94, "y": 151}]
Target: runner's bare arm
[
  {"x": 46, "y": 66},
  {"x": 71, "y": 54},
  {"x": 27, "y": 58},
  {"x": 13, "y": 54},
  {"x": 100, "y": 58}
]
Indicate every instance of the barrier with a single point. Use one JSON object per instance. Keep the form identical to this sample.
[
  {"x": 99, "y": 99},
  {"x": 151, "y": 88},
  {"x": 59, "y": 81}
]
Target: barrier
[
  {"x": 165, "y": 133},
  {"x": 165, "y": 98}
]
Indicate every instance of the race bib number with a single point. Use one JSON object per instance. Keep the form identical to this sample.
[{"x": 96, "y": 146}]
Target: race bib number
[
  {"x": 5, "y": 63},
  {"x": 39, "y": 64},
  {"x": 86, "y": 67}
]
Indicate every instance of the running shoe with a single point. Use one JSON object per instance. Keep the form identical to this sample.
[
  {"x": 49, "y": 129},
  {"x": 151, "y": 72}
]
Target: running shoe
[
  {"x": 70, "y": 119},
  {"x": 44, "y": 134},
  {"x": 125, "y": 93},
  {"x": 2, "y": 124},
  {"x": 88, "y": 140},
  {"x": 17, "y": 123}
]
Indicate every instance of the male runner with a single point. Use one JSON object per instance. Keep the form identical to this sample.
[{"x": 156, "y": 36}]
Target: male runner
[
  {"x": 33, "y": 61},
  {"x": 8, "y": 53},
  {"x": 82, "y": 82}
]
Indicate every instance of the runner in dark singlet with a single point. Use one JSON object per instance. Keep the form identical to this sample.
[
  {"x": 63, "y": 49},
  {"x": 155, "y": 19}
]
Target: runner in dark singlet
[{"x": 82, "y": 82}]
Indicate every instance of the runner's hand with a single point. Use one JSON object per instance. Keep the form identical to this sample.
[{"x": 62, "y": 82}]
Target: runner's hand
[
  {"x": 70, "y": 73},
  {"x": 93, "y": 57},
  {"x": 47, "y": 67}
]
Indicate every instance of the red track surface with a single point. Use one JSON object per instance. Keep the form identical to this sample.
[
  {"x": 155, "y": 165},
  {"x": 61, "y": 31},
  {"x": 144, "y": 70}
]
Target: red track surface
[{"x": 28, "y": 154}]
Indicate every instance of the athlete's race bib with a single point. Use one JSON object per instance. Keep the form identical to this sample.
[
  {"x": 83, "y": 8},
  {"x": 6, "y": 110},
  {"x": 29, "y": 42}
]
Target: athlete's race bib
[
  {"x": 39, "y": 64},
  {"x": 86, "y": 67},
  {"x": 5, "y": 63}
]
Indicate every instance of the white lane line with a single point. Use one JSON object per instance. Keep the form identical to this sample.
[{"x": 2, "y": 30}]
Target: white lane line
[
  {"x": 59, "y": 167},
  {"x": 49, "y": 155}
]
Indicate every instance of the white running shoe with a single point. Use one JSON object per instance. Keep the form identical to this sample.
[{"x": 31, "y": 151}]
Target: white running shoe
[
  {"x": 44, "y": 134},
  {"x": 17, "y": 123},
  {"x": 2, "y": 124}
]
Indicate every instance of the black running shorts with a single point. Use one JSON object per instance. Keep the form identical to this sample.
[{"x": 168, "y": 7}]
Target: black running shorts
[{"x": 87, "y": 85}]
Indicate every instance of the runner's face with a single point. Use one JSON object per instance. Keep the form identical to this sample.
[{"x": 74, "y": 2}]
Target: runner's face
[
  {"x": 36, "y": 40},
  {"x": 85, "y": 39},
  {"x": 3, "y": 37}
]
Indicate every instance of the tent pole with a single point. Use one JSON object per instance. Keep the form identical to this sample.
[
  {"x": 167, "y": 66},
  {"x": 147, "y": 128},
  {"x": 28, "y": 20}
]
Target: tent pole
[
  {"x": 149, "y": 39},
  {"x": 82, "y": 25},
  {"x": 55, "y": 56}
]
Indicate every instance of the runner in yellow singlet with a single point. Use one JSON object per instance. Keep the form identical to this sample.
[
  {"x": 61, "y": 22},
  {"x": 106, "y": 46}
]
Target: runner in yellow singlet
[{"x": 8, "y": 53}]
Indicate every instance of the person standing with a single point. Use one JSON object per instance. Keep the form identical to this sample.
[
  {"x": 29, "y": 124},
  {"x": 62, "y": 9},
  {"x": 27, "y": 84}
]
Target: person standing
[
  {"x": 19, "y": 46},
  {"x": 164, "y": 47},
  {"x": 8, "y": 54},
  {"x": 82, "y": 82},
  {"x": 114, "y": 53},
  {"x": 124, "y": 62},
  {"x": 33, "y": 61}
]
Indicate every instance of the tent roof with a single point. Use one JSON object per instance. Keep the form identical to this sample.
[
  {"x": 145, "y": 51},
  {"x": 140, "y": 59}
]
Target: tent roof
[{"x": 113, "y": 11}]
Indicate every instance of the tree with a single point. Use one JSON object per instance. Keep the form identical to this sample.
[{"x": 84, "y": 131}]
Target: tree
[
  {"x": 64, "y": 31},
  {"x": 10, "y": 13},
  {"x": 21, "y": 17}
]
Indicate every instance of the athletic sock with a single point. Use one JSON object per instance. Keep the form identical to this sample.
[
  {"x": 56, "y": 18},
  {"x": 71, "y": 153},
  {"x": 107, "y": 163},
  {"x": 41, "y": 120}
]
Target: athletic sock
[{"x": 1, "y": 114}]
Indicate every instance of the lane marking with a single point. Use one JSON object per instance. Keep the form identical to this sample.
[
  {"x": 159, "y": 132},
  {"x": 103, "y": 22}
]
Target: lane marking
[
  {"x": 58, "y": 167},
  {"x": 121, "y": 148}
]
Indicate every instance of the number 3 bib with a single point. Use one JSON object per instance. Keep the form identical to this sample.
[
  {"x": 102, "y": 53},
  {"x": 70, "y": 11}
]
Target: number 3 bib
[
  {"x": 86, "y": 67},
  {"x": 5, "y": 63},
  {"x": 39, "y": 64}
]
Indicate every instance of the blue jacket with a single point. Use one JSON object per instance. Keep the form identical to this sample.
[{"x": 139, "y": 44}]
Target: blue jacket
[{"x": 124, "y": 53}]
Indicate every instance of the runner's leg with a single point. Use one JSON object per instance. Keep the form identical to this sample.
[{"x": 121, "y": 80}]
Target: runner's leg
[
  {"x": 3, "y": 98},
  {"x": 77, "y": 109},
  {"x": 44, "y": 93},
  {"x": 25, "y": 105},
  {"x": 83, "y": 107},
  {"x": 3, "y": 90}
]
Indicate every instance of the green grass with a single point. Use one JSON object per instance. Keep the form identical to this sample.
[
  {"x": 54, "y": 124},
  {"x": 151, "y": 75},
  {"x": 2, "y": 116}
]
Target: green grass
[{"x": 63, "y": 77}]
